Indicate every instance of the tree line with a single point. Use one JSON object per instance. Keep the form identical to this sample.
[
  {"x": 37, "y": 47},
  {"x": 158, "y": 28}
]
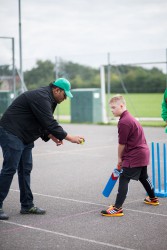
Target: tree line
[{"x": 133, "y": 79}]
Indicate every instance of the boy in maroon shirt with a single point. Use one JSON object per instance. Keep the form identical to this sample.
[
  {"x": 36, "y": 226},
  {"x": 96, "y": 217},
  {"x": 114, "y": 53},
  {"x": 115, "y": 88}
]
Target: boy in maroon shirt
[{"x": 133, "y": 157}]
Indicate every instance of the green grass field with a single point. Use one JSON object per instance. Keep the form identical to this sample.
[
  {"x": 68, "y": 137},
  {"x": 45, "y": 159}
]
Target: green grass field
[
  {"x": 144, "y": 105},
  {"x": 139, "y": 105}
]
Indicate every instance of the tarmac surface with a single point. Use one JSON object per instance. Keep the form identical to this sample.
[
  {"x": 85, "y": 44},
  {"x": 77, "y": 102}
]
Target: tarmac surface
[{"x": 68, "y": 181}]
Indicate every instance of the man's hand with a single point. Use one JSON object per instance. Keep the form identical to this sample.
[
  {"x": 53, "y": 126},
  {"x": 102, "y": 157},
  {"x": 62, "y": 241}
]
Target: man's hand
[
  {"x": 57, "y": 141},
  {"x": 75, "y": 139}
]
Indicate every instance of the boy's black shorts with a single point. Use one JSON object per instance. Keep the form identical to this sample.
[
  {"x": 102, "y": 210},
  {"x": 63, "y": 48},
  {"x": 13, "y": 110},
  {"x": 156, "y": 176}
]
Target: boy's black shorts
[{"x": 135, "y": 173}]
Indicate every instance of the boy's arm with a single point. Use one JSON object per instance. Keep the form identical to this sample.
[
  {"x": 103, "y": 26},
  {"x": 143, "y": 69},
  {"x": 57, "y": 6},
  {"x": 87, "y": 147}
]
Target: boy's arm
[{"x": 120, "y": 151}]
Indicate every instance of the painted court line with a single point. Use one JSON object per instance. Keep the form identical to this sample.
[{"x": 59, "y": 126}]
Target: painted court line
[
  {"x": 68, "y": 236},
  {"x": 144, "y": 212},
  {"x": 92, "y": 203},
  {"x": 55, "y": 220},
  {"x": 70, "y": 151},
  {"x": 62, "y": 198}
]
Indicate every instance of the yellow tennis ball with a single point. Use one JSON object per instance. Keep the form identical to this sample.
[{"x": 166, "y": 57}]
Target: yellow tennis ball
[{"x": 82, "y": 142}]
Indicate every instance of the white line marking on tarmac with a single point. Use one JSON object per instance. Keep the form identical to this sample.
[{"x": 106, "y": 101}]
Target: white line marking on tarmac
[
  {"x": 144, "y": 212},
  {"x": 68, "y": 236},
  {"x": 92, "y": 203},
  {"x": 62, "y": 198},
  {"x": 69, "y": 151}
]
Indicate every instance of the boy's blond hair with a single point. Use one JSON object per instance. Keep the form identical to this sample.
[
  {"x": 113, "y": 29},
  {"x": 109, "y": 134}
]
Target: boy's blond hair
[{"x": 118, "y": 99}]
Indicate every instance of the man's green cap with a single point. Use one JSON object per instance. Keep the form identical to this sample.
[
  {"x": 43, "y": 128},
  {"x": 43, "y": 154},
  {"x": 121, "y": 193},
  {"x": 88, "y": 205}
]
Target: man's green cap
[{"x": 64, "y": 84}]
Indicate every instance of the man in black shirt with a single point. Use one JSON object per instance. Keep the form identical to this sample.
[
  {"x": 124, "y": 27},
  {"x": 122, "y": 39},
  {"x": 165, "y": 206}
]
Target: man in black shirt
[{"x": 29, "y": 117}]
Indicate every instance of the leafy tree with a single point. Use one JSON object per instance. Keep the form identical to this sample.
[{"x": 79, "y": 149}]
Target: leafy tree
[
  {"x": 137, "y": 79},
  {"x": 5, "y": 70},
  {"x": 122, "y": 78},
  {"x": 88, "y": 75},
  {"x": 41, "y": 75}
]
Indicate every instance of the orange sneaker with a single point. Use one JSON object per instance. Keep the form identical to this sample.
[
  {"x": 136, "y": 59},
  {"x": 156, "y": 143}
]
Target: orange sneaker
[
  {"x": 151, "y": 201},
  {"x": 112, "y": 211}
]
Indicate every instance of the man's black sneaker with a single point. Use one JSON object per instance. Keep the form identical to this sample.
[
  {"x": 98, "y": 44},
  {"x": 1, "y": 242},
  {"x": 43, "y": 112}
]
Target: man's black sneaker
[
  {"x": 3, "y": 216},
  {"x": 33, "y": 210}
]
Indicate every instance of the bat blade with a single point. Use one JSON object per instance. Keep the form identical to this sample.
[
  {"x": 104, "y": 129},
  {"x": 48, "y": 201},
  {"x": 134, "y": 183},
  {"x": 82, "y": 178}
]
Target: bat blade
[{"x": 111, "y": 182}]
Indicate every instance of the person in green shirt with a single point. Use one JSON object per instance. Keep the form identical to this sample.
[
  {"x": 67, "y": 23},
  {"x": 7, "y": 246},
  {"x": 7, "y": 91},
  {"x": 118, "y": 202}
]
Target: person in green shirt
[{"x": 164, "y": 109}]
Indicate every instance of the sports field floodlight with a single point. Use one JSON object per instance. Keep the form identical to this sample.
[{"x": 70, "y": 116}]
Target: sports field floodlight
[{"x": 20, "y": 47}]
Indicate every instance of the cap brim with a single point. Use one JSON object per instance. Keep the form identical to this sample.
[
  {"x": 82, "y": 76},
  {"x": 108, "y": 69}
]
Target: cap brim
[{"x": 68, "y": 94}]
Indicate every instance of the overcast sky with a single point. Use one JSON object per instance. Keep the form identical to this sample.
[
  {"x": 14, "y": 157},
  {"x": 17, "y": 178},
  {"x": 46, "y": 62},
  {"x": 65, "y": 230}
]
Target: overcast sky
[{"x": 84, "y": 31}]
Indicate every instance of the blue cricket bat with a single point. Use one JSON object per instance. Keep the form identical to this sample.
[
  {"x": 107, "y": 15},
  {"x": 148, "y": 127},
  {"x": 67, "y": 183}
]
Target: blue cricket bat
[{"x": 111, "y": 182}]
